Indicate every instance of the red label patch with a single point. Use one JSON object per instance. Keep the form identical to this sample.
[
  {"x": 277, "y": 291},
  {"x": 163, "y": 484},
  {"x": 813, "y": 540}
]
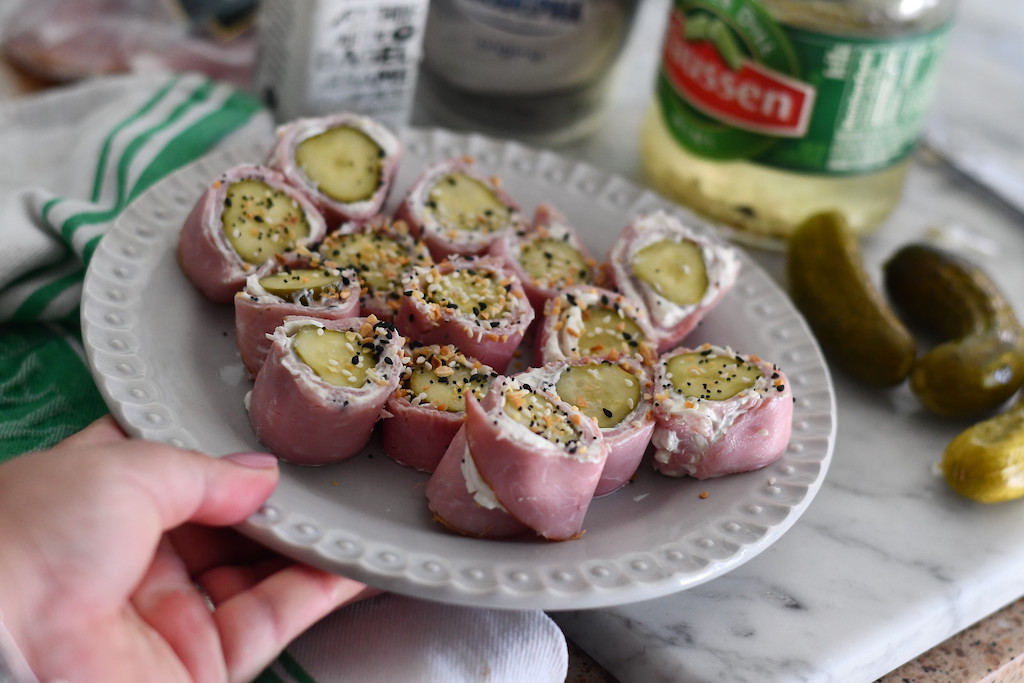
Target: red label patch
[{"x": 751, "y": 97}]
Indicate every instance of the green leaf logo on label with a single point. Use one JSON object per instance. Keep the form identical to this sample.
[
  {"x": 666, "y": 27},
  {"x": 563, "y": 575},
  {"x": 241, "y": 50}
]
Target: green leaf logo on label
[{"x": 730, "y": 84}]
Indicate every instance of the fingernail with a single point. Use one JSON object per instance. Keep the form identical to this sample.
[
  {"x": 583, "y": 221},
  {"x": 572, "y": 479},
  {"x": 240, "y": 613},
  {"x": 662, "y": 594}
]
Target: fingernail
[{"x": 254, "y": 460}]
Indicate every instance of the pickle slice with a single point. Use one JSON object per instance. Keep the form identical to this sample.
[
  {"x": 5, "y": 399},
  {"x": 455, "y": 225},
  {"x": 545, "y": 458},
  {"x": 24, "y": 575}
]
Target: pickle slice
[
  {"x": 344, "y": 163},
  {"x": 462, "y": 202},
  {"x": 286, "y": 284},
  {"x": 540, "y": 416},
  {"x": 337, "y": 356},
  {"x": 260, "y": 221},
  {"x": 552, "y": 262},
  {"x": 445, "y": 387},
  {"x": 605, "y": 330},
  {"x": 473, "y": 292},
  {"x": 379, "y": 259},
  {"x": 704, "y": 375},
  {"x": 675, "y": 270},
  {"x": 604, "y": 391}
]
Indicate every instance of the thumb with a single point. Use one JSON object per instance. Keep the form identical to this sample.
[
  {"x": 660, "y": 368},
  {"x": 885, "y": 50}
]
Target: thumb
[{"x": 185, "y": 486}]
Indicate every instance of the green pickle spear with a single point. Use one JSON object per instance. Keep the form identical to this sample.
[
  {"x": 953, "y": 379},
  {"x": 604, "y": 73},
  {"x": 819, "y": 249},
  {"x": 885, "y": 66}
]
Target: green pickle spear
[
  {"x": 445, "y": 387},
  {"x": 338, "y": 357},
  {"x": 540, "y": 416},
  {"x": 675, "y": 270},
  {"x": 603, "y": 391},
  {"x": 343, "y": 162},
  {"x": 553, "y": 262},
  {"x": 260, "y": 221},
  {"x": 607, "y": 330},
  {"x": 462, "y": 202},
  {"x": 710, "y": 376},
  {"x": 286, "y": 284}
]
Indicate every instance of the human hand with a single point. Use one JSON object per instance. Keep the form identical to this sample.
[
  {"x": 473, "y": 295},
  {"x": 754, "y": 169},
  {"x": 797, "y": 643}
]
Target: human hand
[{"x": 103, "y": 541}]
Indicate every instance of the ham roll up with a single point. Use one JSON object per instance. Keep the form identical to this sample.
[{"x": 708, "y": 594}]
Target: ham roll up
[
  {"x": 585, "y": 321},
  {"x": 617, "y": 395},
  {"x": 523, "y": 460},
  {"x": 476, "y": 304},
  {"x": 676, "y": 274},
  {"x": 718, "y": 412},
  {"x": 323, "y": 386},
  {"x": 382, "y": 252},
  {"x": 345, "y": 162},
  {"x": 429, "y": 406},
  {"x": 457, "y": 210},
  {"x": 547, "y": 256},
  {"x": 244, "y": 218}
]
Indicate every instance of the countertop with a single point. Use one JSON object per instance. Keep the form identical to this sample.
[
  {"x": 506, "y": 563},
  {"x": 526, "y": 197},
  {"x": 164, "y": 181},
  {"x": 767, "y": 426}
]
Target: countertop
[{"x": 888, "y": 576}]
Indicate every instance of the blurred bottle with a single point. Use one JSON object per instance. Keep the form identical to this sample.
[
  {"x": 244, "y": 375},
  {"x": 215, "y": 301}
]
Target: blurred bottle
[
  {"x": 530, "y": 69},
  {"x": 317, "y": 57},
  {"x": 768, "y": 111}
]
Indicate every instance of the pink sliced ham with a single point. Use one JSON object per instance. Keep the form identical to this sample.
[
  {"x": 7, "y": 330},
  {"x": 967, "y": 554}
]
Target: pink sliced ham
[
  {"x": 701, "y": 436},
  {"x": 450, "y": 499},
  {"x": 511, "y": 467},
  {"x": 382, "y": 252},
  {"x": 671, "y": 321},
  {"x": 488, "y": 327},
  {"x": 302, "y": 418},
  {"x": 456, "y": 234},
  {"x": 416, "y": 430},
  {"x": 337, "y": 211},
  {"x": 562, "y": 334},
  {"x": 548, "y": 224},
  {"x": 629, "y": 438},
  {"x": 259, "y": 312},
  {"x": 205, "y": 254}
]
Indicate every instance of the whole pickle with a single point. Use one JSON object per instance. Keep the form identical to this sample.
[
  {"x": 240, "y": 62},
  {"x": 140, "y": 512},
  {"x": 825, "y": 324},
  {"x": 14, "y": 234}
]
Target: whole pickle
[{"x": 979, "y": 363}]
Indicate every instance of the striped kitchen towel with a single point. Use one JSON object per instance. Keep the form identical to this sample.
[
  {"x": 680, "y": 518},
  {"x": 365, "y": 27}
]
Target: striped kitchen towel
[{"x": 70, "y": 161}]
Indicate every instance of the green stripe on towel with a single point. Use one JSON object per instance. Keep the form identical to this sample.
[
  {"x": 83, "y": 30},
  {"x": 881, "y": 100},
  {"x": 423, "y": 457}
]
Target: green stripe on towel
[{"x": 46, "y": 393}]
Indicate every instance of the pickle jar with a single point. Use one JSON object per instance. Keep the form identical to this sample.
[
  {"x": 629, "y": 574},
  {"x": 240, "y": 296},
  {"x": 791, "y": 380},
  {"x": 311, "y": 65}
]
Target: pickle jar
[{"x": 768, "y": 111}]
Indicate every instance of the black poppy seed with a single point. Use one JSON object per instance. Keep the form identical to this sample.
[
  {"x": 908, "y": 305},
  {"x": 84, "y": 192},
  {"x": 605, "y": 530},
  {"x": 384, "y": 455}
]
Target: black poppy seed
[{"x": 607, "y": 413}]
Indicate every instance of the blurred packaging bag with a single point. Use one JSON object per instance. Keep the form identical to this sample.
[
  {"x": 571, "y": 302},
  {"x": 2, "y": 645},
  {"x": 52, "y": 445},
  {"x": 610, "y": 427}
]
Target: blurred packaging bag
[{"x": 65, "y": 40}]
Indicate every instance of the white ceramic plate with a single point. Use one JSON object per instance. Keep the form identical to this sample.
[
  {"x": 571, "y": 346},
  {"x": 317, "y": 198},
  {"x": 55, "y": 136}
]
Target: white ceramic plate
[{"x": 165, "y": 359}]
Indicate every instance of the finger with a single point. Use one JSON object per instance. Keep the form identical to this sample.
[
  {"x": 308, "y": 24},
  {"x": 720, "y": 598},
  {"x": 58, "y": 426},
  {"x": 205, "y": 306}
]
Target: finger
[
  {"x": 101, "y": 431},
  {"x": 256, "y": 625},
  {"x": 225, "y": 582},
  {"x": 170, "y": 604},
  {"x": 184, "y": 486},
  {"x": 203, "y": 547}
]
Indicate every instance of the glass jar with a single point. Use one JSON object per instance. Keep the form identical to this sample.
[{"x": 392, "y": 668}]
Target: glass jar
[
  {"x": 768, "y": 111},
  {"x": 529, "y": 69}
]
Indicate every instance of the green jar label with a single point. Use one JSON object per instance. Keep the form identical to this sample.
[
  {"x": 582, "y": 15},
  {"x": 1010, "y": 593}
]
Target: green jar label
[{"x": 735, "y": 84}]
